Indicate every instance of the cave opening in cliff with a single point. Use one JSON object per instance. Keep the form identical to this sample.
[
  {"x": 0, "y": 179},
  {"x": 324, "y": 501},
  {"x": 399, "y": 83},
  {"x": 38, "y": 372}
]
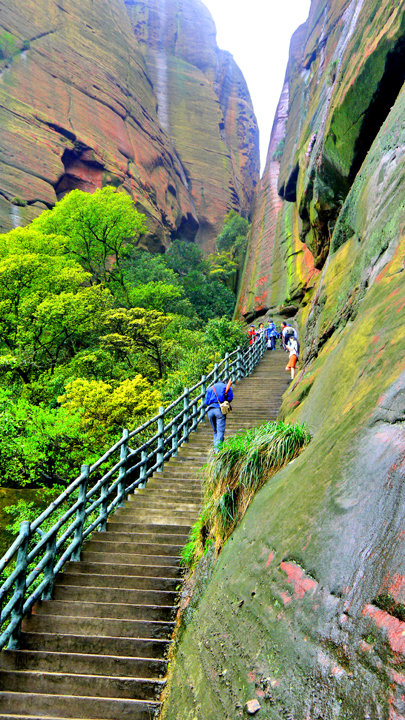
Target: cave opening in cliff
[
  {"x": 82, "y": 171},
  {"x": 187, "y": 230},
  {"x": 383, "y": 99}
]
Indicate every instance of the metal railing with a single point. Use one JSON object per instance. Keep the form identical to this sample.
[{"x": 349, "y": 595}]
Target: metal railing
[{"x": 32, "y": 564}]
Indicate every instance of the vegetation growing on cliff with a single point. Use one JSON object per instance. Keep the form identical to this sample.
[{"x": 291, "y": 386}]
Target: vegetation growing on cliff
[{"x": 235, "y": 474}]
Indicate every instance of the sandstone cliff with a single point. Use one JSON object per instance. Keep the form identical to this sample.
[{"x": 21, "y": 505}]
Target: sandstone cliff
[
  {"x": 305, "y": 608},
  {"x": 93, "y": 93}
]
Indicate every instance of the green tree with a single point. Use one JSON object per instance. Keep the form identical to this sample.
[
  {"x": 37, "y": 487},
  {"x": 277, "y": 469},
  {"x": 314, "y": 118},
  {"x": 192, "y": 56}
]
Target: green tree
[
  {"x": 160, "y": 296},
  {"x": 224, "y": 335},
  {"x": 138, "y": 337},
  {"x": 209, "y": 297},
  {"x": 104, "y": 409},
  {"x": 97, "y": 229},
  {"x": 184, "y": 257},
  {"x": 38, "y": 445},
  {"x": 234, "y": 233},
  {"x": 46, "y": 313}
]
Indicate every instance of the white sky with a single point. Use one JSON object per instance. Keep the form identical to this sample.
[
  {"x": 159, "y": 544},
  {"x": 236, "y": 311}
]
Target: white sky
[{"x": 258, "y": 33}]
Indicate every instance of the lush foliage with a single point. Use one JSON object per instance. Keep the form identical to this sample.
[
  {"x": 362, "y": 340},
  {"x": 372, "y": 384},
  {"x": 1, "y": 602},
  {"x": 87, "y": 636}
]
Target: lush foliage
[
  {"x": 95, "y": 333},
  {"x": 235, "y": 474}
]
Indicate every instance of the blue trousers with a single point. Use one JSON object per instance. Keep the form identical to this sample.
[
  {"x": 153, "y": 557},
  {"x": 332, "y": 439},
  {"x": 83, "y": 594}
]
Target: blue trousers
[{"x": 218, "y": 421}]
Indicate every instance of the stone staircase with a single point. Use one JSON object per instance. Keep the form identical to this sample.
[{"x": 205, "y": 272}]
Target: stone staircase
[{"x": 98, "y": 649}]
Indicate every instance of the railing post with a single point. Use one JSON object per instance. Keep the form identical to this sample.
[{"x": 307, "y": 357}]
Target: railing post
[
  {"x": 249, "y": 360},
  {"x": 48, "y": 572},
  {"x": 161, "y": 439},
  {"x": 238, "y": 364},
  {"x": 142, "y": 469},
  {"x": 20, "y": 586},
  {"x": 122, "y": 473},
  {"x": 215, "y": 373},
  {"x": 175, "y": 440},
  {"x": 226, "y": 367},
  {"x": 186, "y": 405},
  {"x": 194, "y": 414},
  {"x": 81, "y": 512},
  {"x": 203, "y": 394},
  {"x": 103, "y": 506}
]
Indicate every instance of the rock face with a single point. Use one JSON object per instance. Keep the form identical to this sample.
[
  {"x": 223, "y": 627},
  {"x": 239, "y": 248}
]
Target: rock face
[
  {"x": 95, "y": 93},
  {"x": 203, "y": 104},
  {"x": 305, "y": 607}
]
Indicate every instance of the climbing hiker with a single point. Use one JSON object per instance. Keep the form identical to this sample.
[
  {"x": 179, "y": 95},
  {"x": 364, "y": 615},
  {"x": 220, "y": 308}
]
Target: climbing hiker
[
  {"x": 271, "y": 335},
  {"x": 252, "y": 334},
  {"x": 293, "y": 349},
  {"x": 218, "y": 399},
  {"x": 287, "y": 331}
]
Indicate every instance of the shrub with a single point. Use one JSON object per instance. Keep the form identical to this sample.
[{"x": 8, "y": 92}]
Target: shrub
[{"x": 242, "y": 466}]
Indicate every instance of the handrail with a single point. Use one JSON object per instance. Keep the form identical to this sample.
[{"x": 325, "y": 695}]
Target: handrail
[{"x": 31, "y": 564}]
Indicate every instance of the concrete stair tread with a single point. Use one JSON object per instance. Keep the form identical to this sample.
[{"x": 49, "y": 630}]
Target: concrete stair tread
[
  {"x": 98, "y": 663},
  {"x": 88, "y": 642},
  {"x": 126, "y": 709}
]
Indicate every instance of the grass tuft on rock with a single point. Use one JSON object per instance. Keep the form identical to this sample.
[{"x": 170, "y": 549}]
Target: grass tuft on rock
[{"x": 234, "y": 475}]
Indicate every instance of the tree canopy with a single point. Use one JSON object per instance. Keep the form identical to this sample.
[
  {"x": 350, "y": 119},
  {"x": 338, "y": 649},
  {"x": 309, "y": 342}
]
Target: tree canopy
[{"x": 95, "y": 333}]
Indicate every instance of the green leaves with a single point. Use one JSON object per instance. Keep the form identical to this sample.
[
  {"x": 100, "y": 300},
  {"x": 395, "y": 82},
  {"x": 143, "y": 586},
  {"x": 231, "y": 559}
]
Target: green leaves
[
  {"x": 97, "y": 228},
  {"x": 104, "y": 409}
]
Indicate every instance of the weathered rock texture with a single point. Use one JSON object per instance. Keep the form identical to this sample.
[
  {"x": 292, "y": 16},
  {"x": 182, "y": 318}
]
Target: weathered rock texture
[
  {"x": 305, "y": 607},
  {"x": 203, "y": 104},
  {"x": 132, "y": 94}
]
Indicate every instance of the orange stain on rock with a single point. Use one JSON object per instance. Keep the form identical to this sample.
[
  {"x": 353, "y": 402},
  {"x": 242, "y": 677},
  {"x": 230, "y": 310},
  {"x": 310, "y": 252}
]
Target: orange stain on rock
[
  {"x": 393, "y": 628},
  {"x": 297, "y": 577}
]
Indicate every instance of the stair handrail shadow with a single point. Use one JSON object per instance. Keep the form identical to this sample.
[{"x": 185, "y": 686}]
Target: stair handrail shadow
[{"x": 31, "y": 565}]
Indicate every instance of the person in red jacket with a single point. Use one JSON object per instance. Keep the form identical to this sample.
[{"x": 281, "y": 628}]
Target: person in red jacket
[{"x": 252, "y": 334}]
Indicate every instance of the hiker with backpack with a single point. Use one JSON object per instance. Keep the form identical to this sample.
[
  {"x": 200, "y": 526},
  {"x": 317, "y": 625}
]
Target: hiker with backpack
[
  {"x": 218, "y": 402},
  {"x": 287, "y": 332}
]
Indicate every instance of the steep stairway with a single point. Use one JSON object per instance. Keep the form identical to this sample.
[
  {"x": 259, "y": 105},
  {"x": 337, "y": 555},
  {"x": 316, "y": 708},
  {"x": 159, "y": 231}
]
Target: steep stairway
[{"x": 98, "y": 649}]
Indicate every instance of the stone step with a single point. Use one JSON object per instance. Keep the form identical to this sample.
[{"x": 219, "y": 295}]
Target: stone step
[
  {"x": 96, "y": 645},
  {"x": 123, "y": 611},
  {"x": 132, "y": 559},
  {"x": 186, "y": 519},
  {"x": 119, "y": 581},
  {"x": 114, "y": 568},
  {"x": 61, "y": 683},
  {"x": 163, "y": 490},
  {"x": 142, "y": 548},
  {"x": 114, "y": 535},
  {"x": 37, "y": 717},
  {"x": 71, "y": 706},
  {"x": 103, "y": 627},
  {"x": 116, "y": 595},
  {"x": 84, "y": 664},
  {"x": 143, "y": 501},
  {"x": 116, "y": 523}
]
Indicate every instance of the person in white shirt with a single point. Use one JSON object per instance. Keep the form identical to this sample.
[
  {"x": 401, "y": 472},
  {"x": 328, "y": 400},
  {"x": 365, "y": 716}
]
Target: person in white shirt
[{"x": 292, "y": 347}]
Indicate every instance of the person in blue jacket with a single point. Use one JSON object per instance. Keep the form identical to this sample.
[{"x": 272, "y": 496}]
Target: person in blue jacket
[
  {"x": 271, "y": 335},
  {"x": 216, "y": 394}
]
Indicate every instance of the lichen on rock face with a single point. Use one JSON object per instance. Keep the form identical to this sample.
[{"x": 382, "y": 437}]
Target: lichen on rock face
[
  {"x": 85, "y": 101},
  {"x": 304, "y": 609}
]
